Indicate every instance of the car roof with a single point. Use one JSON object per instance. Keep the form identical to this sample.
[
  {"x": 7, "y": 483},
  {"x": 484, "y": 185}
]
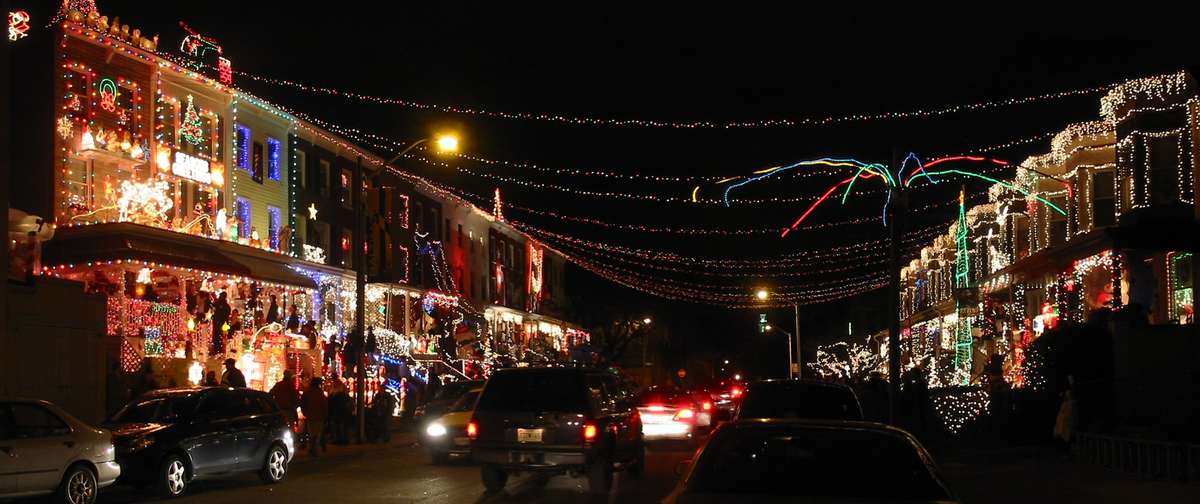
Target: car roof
[{"x": 816, "y": 424}]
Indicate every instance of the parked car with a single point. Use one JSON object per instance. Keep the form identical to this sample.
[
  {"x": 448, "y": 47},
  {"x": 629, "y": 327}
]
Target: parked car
[
  {"x": 44, "y": 450},
  {"x": 168, "y": 438},
  {"x": 668, "y": 414},
  {"x": 447, "y": 435},
  {"x": 790, "y": 399},
  {"x": 809, "y": 460},
  {"x": 443, "y": 399},
  {"x": 556, "y": 421}
]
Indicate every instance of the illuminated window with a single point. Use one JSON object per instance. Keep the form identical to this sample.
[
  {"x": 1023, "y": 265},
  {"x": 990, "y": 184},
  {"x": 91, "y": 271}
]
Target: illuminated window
[
  {"x": 273, "y": 223},
  {"x": 346, "y": 186},
  {"x": 243, "y": 212},
  {"x": 242, "y": 144},
  {"x": 273, "y": 159}
]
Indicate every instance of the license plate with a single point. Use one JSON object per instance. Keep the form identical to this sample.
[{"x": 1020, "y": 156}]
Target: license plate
[
  {"x": 529, "y": 435},
  {"x": 461, "y": 441}
]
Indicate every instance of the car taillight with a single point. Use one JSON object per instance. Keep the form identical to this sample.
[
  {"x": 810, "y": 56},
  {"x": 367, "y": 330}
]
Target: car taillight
[
  {"x": 472, "y": 430},
  {"x": 589, "y": 432},
  {"x": 735, "y": 392},
  {"x": 706, "y": 405},
  {"x": 656, "y": 407},
  {"x": 684, "y": 414}
]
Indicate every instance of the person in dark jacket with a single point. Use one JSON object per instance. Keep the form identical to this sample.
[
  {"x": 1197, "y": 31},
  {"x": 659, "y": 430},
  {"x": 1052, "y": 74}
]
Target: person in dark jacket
[
  {"x": 233, "y": 377},
  {"x": 221, "y": 311},
  {"x": 286, "y": 396},
  {"x": 341, "y": 413},
  {"x": 293, "y": 320},
  {"x": 273, "y": 310},
  {"x": 315, "y": 407}
]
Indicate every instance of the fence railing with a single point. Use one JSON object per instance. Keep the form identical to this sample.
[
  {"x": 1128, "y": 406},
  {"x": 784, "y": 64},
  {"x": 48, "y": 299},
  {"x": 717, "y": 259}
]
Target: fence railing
[{"x": 1147, "y": 458}]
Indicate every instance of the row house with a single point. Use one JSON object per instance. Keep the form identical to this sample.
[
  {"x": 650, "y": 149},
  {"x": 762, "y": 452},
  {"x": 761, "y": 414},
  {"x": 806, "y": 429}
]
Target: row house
[
  {"x": 215, "y": 224},
  {"x": 1107, "y": 219}
]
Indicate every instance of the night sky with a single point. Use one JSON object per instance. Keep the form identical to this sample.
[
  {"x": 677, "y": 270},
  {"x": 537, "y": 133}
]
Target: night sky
[{"x": 738, "y": 62}]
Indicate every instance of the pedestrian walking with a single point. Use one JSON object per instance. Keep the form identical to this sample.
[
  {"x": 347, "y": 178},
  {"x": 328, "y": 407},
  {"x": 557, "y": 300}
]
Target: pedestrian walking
[
  {"x": 315, "y": 407},
  {"x": 286, "y": 396},
  {"x": 233, "y": 377}
]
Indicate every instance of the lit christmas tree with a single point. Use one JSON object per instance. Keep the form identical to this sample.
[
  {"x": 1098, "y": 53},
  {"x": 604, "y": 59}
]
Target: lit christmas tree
[{"x": 190, "y": 129}]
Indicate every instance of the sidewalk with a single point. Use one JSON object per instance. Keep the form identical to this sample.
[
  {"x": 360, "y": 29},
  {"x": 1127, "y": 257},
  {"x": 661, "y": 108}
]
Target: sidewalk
[
  {"x": 399, "y": 440},
  {"x": 1040, "y": 474}
]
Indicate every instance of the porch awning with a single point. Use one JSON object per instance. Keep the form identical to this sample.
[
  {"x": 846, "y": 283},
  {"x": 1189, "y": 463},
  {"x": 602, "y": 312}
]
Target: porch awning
[{"x": 128, "y": 241}]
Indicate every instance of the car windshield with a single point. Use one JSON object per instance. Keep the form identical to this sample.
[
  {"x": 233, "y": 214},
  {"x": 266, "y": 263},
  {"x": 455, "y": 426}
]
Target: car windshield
[
  {"x": 814, "y": 462},
  {"x": 534, "y": 391},
  {"x": 453, "y": 390},
  {"x": 157, "y": 409},
  {"x": 799, "y": 401},
  {"x": 466, "y": 402}
]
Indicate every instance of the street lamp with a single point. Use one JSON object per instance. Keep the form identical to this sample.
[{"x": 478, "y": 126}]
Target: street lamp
[
  {"x": 445, "y": 143},
  {"x": 762, "y": 295},
  {"x": 646, "y": 321}
]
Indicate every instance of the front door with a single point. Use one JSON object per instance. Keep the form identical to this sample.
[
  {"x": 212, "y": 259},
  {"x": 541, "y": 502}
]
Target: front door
[{"x": 41, "y": 447}]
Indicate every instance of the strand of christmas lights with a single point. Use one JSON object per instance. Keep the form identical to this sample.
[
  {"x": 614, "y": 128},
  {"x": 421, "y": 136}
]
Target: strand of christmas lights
[
  {"x": 649, "y": 123},
  {"x": 700, "y": 271}
]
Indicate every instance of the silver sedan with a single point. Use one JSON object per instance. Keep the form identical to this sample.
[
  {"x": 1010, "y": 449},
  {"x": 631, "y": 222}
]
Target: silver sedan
[{"x": 44, "y": 450}]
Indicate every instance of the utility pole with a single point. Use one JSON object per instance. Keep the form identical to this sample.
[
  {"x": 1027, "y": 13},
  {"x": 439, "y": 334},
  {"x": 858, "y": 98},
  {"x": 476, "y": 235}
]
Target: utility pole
[
  {"x": 360, "y": 297},
  {"x": 799, "y": 354},
  {"x": 897, "y": 213}
]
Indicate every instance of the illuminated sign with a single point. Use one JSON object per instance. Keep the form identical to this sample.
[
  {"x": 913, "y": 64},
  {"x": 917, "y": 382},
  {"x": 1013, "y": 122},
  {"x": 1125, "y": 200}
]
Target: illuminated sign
[{"x": 191, "y": 167}]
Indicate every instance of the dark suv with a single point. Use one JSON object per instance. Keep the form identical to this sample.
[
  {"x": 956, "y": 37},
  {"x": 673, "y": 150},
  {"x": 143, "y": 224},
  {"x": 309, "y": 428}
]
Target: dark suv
[
  {"x": 558, "y": 421},
  {"x": 167, "y": 438}
]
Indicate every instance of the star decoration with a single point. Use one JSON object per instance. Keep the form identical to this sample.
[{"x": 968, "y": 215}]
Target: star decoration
[{"x": 312, "y": 211}]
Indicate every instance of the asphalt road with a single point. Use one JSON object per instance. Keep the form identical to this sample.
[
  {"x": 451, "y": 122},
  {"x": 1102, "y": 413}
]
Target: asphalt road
[{"x": 402, "y": 474}]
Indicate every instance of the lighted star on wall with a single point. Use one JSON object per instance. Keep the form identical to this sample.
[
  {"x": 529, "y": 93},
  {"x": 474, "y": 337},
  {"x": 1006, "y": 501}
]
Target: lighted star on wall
[{"x": 312, "y": 211}]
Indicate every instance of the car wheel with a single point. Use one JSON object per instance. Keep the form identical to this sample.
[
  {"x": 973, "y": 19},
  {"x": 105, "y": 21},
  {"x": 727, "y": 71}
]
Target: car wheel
[
  {"x": 600, "y": 476},
  {"x": 439, "y": 457},
  {"x": 494, "y": 478},
  {"x": 172, "y": 477},
  {"x": 275, "y": 466},
  {"x": 78, "y": 486}
]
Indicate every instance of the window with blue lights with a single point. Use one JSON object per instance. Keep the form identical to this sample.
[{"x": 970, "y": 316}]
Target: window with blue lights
[
  {"x": 273, "y": 148},
  {"x": 243, "y": 216},
  {"x": 273, "y": 223},
  {"x": 242, "y": 144}
]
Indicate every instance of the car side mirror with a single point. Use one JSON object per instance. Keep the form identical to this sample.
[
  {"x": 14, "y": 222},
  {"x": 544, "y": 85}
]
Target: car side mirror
[{"x": 682, "y": 467}]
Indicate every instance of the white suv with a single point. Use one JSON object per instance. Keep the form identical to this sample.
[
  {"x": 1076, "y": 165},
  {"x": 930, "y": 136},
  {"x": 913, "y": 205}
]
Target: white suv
[{"x": 44, "y": 450}]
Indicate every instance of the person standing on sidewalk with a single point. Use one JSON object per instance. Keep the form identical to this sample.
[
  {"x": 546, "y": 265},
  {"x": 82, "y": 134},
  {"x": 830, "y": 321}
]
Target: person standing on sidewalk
[
  {"x": 286, "y": 396},
  {"x": 233, "y": 377},
  {"x": 316, "y": 410}
]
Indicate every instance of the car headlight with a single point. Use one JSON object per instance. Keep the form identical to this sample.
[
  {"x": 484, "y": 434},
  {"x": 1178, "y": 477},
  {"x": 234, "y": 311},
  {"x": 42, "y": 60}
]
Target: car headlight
[
  {"x": 137, "y": 444},
  {"x": 435, "y": 429}
]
